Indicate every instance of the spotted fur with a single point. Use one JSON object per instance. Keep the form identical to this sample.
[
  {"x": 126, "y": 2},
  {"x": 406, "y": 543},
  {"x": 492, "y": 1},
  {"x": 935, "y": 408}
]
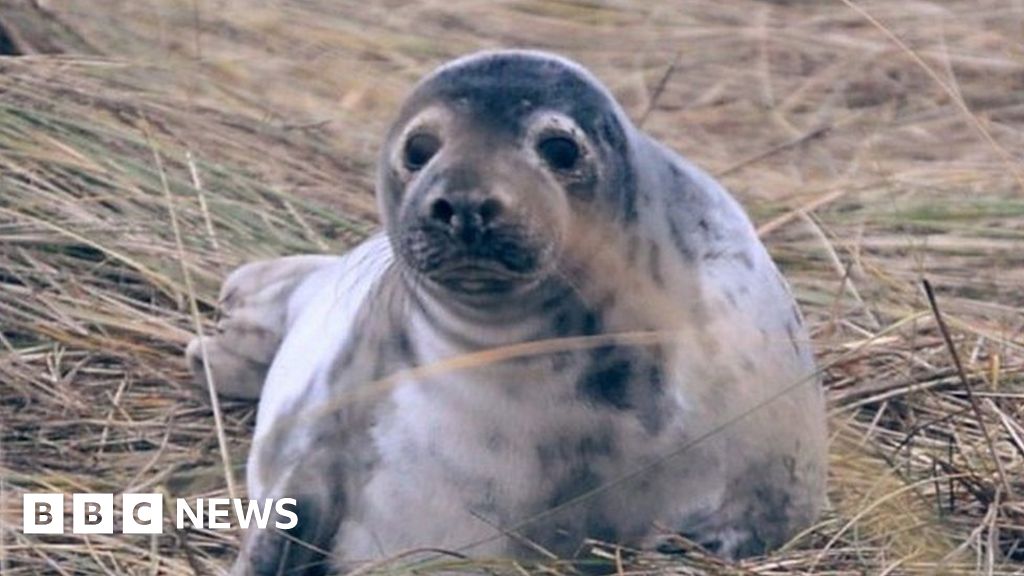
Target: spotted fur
[{"x": 715, "y": 429}]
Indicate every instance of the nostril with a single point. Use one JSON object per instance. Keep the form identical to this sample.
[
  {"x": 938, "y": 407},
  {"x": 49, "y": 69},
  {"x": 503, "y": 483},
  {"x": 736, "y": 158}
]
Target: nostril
[
  {"x": 489, "y": 210},
  {"x": 442, "y": 211}
]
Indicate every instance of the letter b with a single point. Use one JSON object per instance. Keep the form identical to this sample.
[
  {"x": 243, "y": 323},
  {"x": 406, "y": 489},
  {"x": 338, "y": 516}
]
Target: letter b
[
  {"x": 43, "y": 514},
  {"x": 92, "y": 514}
]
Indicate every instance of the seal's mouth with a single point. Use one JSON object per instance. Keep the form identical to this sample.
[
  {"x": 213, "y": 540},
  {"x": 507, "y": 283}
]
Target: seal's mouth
[
  {"x": 478, "y": 277},
  {"x": 497, "y": 262}
]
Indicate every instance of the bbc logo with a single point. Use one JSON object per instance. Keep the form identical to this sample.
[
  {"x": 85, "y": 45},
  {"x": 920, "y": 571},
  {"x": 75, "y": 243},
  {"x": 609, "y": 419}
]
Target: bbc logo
[
  {"x": 144, "y": 513},
  {"x": 92, "y": 513}
]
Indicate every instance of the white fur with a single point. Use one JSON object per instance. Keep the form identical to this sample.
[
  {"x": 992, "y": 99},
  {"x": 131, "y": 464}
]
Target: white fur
[{"x": 320, "y": 322}]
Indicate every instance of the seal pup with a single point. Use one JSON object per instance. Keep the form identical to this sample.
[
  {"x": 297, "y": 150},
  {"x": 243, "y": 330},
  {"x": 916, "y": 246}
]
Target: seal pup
[{"x": 676, "y": 389}]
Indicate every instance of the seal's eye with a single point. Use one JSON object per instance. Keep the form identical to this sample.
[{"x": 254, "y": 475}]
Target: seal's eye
[
  {"x": 419, "y": 149},
  {"x": 560, "y": 152}
]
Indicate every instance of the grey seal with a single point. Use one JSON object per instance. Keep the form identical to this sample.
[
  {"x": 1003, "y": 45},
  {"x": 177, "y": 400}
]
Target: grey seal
[{"x": 403, "y": 406}]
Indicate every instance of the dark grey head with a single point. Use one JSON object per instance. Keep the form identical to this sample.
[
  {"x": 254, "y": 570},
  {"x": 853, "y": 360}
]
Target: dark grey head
[{"x": 490, "y": 164}]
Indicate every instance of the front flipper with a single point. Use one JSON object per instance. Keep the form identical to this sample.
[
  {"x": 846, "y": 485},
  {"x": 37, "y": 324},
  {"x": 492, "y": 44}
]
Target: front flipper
[
  {"x": 254, "y": 304},
  {"x": 305, "y": 549}
]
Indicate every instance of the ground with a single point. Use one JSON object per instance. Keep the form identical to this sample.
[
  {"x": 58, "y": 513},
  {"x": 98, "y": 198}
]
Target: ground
[{"x": 146, "y": 148}]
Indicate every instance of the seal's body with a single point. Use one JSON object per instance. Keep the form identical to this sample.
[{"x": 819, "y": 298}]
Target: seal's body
[{"x": 567, "y": 332}]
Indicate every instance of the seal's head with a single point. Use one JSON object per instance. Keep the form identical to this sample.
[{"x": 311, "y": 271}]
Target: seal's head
[{"x": 492, "y": 161}]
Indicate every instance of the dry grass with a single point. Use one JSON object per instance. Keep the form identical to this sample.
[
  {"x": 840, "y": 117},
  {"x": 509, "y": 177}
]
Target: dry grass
[{"x": 870, "y": 165}]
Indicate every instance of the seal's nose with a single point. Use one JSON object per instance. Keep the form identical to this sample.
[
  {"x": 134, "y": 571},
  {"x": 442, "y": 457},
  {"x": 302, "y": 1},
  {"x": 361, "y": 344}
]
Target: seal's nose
[{"x": 465, "y": 216}]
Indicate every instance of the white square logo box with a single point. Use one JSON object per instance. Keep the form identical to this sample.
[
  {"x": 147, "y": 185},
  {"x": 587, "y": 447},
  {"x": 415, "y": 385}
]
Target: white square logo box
[
  {"x": 43, "y": 514},
  {"x": 143, "y": 513},
  {"x": 92, "y": 513}
]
